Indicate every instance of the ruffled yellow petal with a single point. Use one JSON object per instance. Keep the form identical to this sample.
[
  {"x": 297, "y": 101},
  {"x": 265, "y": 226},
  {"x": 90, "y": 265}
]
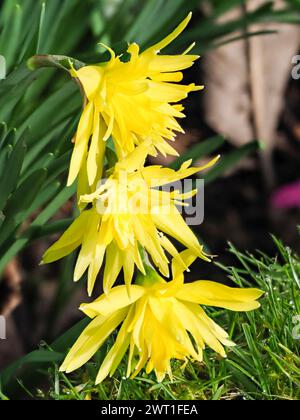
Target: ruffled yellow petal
[
  {"x": 156, "y": 176},
  {"x": 171, "y": 222},
  {"x": 136, "y": 159}
]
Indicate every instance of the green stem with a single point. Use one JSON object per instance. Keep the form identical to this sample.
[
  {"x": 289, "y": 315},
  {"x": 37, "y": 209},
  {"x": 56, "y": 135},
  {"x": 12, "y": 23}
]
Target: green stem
[
  {"x": 151, "y": 275},
  {"x": 61, "y": 62}
]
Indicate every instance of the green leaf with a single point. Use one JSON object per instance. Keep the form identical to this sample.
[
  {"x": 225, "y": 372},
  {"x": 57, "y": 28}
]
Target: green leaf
[
  {"x": 55, "y": 227},
  {"x": 42, "y": 357},
  {"x": 10, "y": 171},
  {"x": 111, "y": 157},
  {"x": 10, "y": 138},
  {"x": 19, "y": 202},
  {"x": 25, "y": 193},
  {"x": 230, "y": 160},
  {"x": 41, "y": 24},
  {"x": 199, "y": 151},
  {"x": 9, "y": 37},
  {"x": 20, "y": 242},
  {"x": 4, "y": 155},
  {"x": 36, "y": 357},
  {"x": 3, "y": 132}
]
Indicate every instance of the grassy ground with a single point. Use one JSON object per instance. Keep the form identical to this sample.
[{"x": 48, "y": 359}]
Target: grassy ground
[{"x": 264, "y": 365}]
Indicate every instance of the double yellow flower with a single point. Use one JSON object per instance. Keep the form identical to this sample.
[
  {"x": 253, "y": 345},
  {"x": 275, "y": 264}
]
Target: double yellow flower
[{"x": 129, "y": 222}]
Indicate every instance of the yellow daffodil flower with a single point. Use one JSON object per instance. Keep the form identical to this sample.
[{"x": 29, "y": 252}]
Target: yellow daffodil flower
[
  {"x": 131, "y": 101},
  {"x": 158, "y": 320},
  {"x": 128, "y": 212}
]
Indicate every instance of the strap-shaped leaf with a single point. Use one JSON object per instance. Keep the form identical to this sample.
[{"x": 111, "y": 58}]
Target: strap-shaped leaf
[
  {"x": 230, "y": 160},
  {"x": 10, "y": 171},
  {"x": 199, "y": 151},
  {"x": 19, "y": 243},
  {"x": 41, "y": 358},
  {"x": 26, "y": 192},
  {"x": 3, "y": 132}
]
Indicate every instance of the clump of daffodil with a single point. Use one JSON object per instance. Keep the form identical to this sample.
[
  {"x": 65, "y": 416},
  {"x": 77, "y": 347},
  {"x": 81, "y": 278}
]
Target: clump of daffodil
[
  {"x": 126, "y": 213},
  {"x": 132, "y": 101},
  {"x": 158, "y": 320}
]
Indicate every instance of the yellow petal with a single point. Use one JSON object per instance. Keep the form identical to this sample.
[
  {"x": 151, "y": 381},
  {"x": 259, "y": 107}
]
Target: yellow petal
[
  {"x": 170, "y": 63},
  {"x": 88, "y": 247},
  {"x": 178, "y": 268},
  {"x": 90, "y": 77},
  {"x": 95, "y": 265},
  {"x": 83, "y": 186},
  {"x": 208, "y": 333},
  {"x": 157, "y": 176},
  {"x": 69, "y": 241},
  {"x": 168, "y": 77},
  {"x": 91, "y": 340},
  {"x": 136, "y": 159},
  {"x": 166, "y": 41},
  {"x": 214, "y": 294},
  {"x": 81, "y": 142},
  {"x": 171, "y": 222},
  {"x": 116, "y": 299},
  {"x": 113, "y": 265},
  {"x": 116, "y": 353},
  {"x": 128, "y": 268},
  {"x": 190, "y": 323},
  {"x": 96, "y": 151}
]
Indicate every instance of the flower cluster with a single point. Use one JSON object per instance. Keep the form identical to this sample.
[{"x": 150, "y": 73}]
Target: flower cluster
[{"x": 128, "y": 223}]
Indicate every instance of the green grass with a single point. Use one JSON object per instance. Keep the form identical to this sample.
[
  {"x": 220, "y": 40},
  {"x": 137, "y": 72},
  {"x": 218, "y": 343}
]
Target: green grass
[{"x": 265, "y": 364}]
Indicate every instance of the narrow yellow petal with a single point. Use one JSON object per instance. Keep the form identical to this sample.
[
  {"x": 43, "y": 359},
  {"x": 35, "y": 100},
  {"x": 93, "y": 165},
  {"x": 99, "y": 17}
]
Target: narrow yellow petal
[
  {"x": 178, "y": 268},
  {"x": 88, "y": 247},
  {"x": 83, "y": 186},
  {"x": 172, "y": 223},
  {"x": 96, "y": 151},
  {"x": 166, "y": 41},
  {"x": 113, "y": 265},
  {"x": 116, "y": 299},
  {"x": 214, "y": 294},
  {"x": 81, "y": 142},
  {"x": 95, "y": 265},
  {"x": 69, "y": 241},
  {"x": 91, "y": 340},
  {"x": 116, "y": 353},
  {"x": 128, "y": 268}
]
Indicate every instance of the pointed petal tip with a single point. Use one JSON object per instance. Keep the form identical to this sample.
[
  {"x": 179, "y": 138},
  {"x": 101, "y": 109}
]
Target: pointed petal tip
[
  {"x": 76, "y": 278},
  {"x": 259, "y": 292},
  {"x": 70, "y": 180},
  {"x": 63, "y": 367}
]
